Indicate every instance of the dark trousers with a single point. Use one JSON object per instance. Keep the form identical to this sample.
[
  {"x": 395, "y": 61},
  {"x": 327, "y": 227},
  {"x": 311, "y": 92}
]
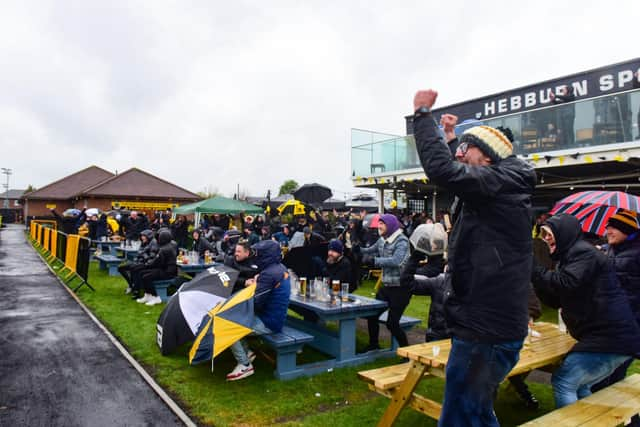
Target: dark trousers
[
  {"x": 131, "y": 273},
  {"x": 398, "y": 298},
  {"x": 474, "y": 372},
  {"x": 150, "y": 275}
]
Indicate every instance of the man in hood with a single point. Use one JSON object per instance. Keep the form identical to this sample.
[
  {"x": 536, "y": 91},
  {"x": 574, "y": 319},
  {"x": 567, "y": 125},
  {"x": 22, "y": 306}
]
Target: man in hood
[
  {"x": 131, "y": 270},
  {"x": 594, "y": 307},
  {"x": 163, "y": 266},
  {"x": 489, "y": 256},
  {"x": 270, "y": 302},
  {"x": 391, "y": 253}
]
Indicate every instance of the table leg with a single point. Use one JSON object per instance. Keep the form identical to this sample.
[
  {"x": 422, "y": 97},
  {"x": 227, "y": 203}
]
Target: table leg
[
  {"x": 347, "y": 337},
  {"x": 403, "y": 394}
]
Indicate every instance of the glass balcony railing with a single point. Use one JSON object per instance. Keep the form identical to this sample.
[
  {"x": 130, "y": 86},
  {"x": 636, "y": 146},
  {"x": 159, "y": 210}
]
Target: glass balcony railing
[{"x": 593, "y": 122}]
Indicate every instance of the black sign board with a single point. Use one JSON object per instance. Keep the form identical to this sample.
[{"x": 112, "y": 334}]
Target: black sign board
[{"x": 588, "y": 84}]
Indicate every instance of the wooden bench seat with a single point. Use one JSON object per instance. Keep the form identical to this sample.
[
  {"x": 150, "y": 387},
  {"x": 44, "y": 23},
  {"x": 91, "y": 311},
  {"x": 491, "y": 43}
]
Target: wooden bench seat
[
  {"x": 386, "y": 378},
  {"x": 110, "y": 262},
  {"x": 406, "y": 323},
  {"x": 612, "y": 406},
  {"x": 286, "y": 345}
]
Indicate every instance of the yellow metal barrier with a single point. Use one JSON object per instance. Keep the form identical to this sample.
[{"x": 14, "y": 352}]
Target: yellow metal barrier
[
  {"x": 53, "y": 242},
  {"x": 39, "y": 235},
  {"x": 71, "y": 258},
  {"x": 47, "y": 235}
]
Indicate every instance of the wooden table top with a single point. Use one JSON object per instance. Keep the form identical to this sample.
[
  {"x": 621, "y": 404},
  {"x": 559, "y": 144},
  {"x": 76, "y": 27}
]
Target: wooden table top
[{"x": 537, "y": 352}]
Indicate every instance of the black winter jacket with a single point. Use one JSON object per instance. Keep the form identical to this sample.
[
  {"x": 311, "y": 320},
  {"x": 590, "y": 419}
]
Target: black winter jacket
[
  {"x": 433, "y": 286},
  {"x": 247, "y": 269},
  {"x": 490, "y": 245},
  {"x": 342, "y": 271},
  {"x": 202, "y": 245},
  {"x": 167, "y": 253},
  {"x": 625, "y": 259},
  {"x": 149, "y": 250},
  {"x": 133, "y": 228},
  {"x": 594, "y": 306}
]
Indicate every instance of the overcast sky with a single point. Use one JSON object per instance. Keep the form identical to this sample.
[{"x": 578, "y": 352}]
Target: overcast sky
[{"x": 214, "y": 94}]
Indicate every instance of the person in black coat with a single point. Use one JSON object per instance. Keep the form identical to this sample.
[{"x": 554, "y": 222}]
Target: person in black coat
[
  {"x": 134, "y": 224},
  {"x": 131, "y": 270},
  {"x": 338, "y": 266},
  {"x": 594, "y": 307},
  {"x": 201, "y": 244},
  {"x": 566, "y": 114},
  {"x": 162, "y": 266},
  {"x": 623, "y": 237},
  {"x": 69, "y": 224},
  {"x": 489, "y": 256},
  {"x": 102, "y": 230},
  {"x": 179, "y": 230},
  {"x": 244, "y": 261}
]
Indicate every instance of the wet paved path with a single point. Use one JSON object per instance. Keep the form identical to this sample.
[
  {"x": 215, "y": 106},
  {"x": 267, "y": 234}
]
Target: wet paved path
[{"x": 57, "y": 368}]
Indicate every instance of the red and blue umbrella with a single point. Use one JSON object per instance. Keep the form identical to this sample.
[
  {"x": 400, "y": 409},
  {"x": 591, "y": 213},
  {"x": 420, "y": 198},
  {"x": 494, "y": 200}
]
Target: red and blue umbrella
[{"x": 594, "y": 208}]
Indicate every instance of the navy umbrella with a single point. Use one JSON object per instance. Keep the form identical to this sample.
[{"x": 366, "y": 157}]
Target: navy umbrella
[{"x": 179, "y": 321}]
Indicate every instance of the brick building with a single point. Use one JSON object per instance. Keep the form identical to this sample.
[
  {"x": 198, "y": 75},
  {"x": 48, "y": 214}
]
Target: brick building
[{"x": 95, "y": 187}]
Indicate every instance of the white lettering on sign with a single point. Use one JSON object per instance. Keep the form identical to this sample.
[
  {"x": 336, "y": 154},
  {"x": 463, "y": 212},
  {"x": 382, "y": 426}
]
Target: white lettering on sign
[
  {"x": 580, "y": 88},
  {"x": 606, "y": 82},
  {"x": 489, "y": 108},
  {"x": 516, "y": 102},
  {"x": 545, "y": 96},
  {"x": 502, "y": 105},
  {"x": 624, "y": 77},
  {"x": 529, "y": 99}
]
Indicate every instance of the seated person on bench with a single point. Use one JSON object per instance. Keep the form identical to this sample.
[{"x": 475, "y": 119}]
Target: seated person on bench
[
  {"x": 271, "y": 301},
  {"x": 162, "y": 267},
  {"x": 594, "y": 308},
  {"x": 244, "y": 261},
  {"x": 338, "y": 267},
  {"x": 201, "y": 244},
  {"x": 130, "y": 270}
]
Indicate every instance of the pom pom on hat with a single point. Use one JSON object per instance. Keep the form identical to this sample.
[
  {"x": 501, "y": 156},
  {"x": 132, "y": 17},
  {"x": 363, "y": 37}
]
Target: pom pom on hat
[{"x": 491, "y": 141}]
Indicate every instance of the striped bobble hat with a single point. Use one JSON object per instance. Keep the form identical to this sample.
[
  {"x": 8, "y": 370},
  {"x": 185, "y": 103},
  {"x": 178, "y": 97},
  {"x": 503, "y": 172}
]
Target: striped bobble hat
[
  {"x": 490, "y": 141},
  {"x": 625, "y": 221}
]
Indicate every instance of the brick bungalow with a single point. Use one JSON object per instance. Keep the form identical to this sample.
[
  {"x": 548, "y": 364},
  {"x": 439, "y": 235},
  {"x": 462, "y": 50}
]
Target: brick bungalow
[{"x": 95, "y": 187}]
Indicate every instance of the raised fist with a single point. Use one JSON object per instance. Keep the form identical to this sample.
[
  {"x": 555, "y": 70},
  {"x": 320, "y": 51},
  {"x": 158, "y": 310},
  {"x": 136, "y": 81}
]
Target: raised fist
[
  {"x": 424, "y": 98},
  {"x": 448, "y": 122}
]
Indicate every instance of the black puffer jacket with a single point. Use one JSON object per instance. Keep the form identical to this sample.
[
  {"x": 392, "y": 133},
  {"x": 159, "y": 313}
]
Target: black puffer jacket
[
  {"x": 148, "y": 250},
  {"x": 625, "y": 259},
  {"x": 434, "y": 287},
  {"x": 594, "y": 306},
  {"x": 247, "y": 269},
  {"x": 167, "y": 253},
  {"x": 490, "y": 246},
  {"x": 202, "y": 245},
  {"x": 342, "y": 271},
  {"x": 133, "y": 227}
]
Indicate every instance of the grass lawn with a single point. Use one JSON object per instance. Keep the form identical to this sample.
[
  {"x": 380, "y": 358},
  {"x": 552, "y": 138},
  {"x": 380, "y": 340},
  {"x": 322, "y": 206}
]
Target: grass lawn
[{"x": 335, "y": 398}]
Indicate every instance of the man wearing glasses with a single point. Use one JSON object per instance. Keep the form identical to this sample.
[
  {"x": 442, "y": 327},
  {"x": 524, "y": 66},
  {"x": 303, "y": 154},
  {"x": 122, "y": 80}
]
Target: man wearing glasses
[{"x": 490, "y": 250}]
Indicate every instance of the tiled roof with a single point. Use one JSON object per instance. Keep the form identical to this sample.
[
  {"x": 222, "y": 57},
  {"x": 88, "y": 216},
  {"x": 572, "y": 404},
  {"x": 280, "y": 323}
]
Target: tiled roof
[
  {"x": 72, "y": 185},
  {"x": 13, "y": 194}
]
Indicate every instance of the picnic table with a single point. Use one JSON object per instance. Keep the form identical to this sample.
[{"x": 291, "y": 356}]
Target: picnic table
[
  {"x": 340, "y": 344},
  {"x": 192, "y": 269},
  {"x": 106, "y": 245},
  {"x": 128, "y": 252},
  {"x": 429, "y": 360}
]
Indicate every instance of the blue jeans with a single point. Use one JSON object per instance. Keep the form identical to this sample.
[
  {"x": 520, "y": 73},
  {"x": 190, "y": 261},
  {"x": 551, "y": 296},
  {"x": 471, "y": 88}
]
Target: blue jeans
[
  {"x": 579, "y": 371},
  {"x": 474, "y": 372},
  {"x": 241, "y": 348}
]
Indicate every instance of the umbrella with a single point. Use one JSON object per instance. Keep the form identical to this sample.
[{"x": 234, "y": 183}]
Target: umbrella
[
  {"x": 371, "y": 220},
  {"x": 594, "y": 208},
  {"x": 179, "y": 321},
  {"x": 294, "y": 207},
  {"x": 92, "y": 211},
  {"x": 223, "y": 325},
  {"x": 313, "y": 193},
  {"x": 71, "y": 212}
]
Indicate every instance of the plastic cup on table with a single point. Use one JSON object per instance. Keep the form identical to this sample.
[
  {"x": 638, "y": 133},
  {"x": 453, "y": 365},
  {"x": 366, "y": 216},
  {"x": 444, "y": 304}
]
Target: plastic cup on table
[{"x": 344, "y": 294}]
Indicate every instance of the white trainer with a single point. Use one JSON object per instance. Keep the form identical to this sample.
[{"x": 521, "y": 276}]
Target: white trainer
[
  {"x": 240, "y": 371},
  {"x": 128, "y": 290},
  {"x": 144, "y": 299},
  {"x": 154, "y": 300}
]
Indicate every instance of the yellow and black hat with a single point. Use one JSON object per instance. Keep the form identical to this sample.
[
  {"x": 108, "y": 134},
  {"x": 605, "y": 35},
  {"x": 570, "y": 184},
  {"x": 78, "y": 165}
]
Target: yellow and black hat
[
  {"x": 625, "y": 221},
  {"x": 491, "y": 141}
]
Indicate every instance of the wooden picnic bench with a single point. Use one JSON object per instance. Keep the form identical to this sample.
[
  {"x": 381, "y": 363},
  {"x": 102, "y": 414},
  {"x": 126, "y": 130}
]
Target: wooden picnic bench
[
  {"x": 110, "y": 262},
  {"x": 612, "y": 406},
  {"x": 286, "y": 345},
  {"x": 427, "y": 360}
]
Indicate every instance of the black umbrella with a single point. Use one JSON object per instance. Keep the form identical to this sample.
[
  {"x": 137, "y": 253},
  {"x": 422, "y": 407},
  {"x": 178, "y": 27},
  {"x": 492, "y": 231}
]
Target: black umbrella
[
  {"x": 179, "y": 321},
  {"x": 313, "y": 193}
]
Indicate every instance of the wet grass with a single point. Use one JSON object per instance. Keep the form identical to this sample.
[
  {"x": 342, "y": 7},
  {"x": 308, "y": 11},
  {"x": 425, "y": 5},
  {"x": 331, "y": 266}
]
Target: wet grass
[{"x": 335, "y": 398}]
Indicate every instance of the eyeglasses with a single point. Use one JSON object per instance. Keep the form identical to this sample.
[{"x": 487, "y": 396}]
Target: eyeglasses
[{"x": 463, "y": 148}]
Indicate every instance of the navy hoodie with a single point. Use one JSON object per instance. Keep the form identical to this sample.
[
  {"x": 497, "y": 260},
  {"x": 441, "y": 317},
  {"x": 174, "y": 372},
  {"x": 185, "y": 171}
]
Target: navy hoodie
[{"x": 273, "y": 289}]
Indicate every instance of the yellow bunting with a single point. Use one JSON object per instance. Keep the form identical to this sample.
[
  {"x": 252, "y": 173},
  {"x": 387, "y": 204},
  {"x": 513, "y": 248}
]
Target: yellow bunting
[
  {"x": 370, "y": 180},
  {"x": 536, "y": 157},
  {"x": 588, "y": 159},
  {"x": 618, "y": 158},
  {"x": 561, "y": 159},
  {"x": 383, "y": 181},
  {"x": 424, "y": 180}
]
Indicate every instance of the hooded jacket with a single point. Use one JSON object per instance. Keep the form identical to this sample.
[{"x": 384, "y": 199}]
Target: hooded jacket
[
  {"x": 202, "y": 245},
  {"x": 247, "y": 269},
  {"x": 341, "y": 270},
  {"x": 148, "y": 250},
  {"x": 273, "y": 289},
  {"x": 625, "y": 259},
  {"x": 167, "y": 253},
  {"x": 490, "y": 247},
  {"x": 594, "y": 306}
]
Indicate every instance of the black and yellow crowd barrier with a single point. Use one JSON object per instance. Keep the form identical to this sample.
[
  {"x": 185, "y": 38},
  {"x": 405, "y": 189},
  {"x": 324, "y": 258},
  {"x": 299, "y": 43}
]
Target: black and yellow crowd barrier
[{"x": 69, "y": 249}]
